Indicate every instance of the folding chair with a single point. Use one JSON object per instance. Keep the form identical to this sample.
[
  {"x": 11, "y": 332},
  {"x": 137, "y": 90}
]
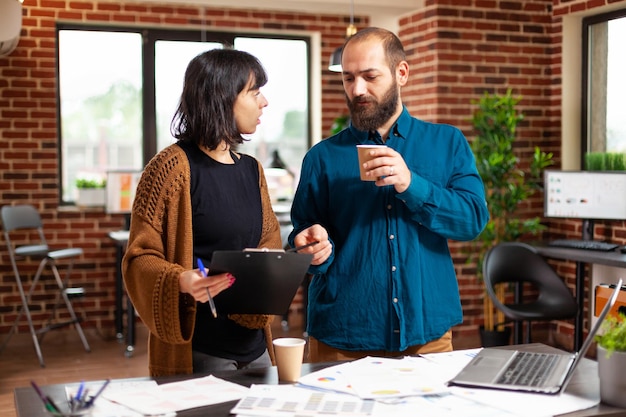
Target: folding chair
[{"x": 26, "y": 219}]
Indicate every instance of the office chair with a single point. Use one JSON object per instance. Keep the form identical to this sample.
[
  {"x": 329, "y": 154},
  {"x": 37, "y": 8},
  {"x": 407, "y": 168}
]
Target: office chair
[
  {"x": 26, "y": 220},
  {"x": 517, "y": 264}
]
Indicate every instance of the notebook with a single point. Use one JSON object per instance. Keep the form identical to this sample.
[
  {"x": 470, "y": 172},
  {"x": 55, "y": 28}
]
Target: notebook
[
  {"x": 518, "y": 370},
  {"x": 265, "y": 280}
]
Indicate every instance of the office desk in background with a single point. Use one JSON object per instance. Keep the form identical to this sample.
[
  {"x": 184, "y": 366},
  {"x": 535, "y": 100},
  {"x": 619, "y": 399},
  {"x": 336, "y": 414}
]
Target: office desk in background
[
  {"x": 582, "y": 257},
  {"x": 120, "y": 237},
  {"x": 28, "y": 404}
]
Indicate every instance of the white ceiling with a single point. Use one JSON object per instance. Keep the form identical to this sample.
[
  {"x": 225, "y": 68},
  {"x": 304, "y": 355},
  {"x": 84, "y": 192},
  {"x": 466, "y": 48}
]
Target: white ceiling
[{"x": 383, "y": 13}]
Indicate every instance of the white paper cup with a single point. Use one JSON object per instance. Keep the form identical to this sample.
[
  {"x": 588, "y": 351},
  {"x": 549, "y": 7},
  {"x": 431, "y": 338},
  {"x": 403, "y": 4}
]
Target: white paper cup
[
  {"x": 364, "y": 156},
  {"x": 289, "y": 355}
]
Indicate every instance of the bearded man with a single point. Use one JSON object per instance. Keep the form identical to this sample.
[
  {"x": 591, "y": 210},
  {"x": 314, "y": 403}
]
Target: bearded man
[{"x": 383, "y": 281}]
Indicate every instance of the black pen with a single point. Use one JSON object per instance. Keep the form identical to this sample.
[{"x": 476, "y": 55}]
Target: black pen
[
  {"x": 93, "y": 399},
  {"x": 303, "y": 246}
]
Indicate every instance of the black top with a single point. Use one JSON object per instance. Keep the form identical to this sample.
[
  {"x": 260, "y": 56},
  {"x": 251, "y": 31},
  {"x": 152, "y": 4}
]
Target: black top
[{"x": 227, "y": 215}]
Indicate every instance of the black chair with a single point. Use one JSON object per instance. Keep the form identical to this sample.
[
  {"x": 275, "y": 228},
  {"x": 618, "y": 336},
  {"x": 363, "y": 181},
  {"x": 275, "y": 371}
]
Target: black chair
[
  {"x": 519, "y": 265},
  {"x": 25, "y": 222}
]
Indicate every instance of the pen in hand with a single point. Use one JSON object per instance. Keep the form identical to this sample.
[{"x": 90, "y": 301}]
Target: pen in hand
[
  {"x": 211, "y": 303},
  {"x": 296, "y": 249}
]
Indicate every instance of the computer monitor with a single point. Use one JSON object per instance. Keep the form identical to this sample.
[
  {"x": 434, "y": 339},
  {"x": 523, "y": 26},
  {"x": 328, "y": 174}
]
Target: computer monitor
[
  {"x": 586, "y": 195},
  {"x": 121, "y": 187}
]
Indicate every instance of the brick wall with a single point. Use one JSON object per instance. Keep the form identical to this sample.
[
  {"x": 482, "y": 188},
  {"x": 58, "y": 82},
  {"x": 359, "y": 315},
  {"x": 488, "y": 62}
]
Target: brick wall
[
  {"x": 28, "y": 132},
  {"x": 457, "y": 49}
]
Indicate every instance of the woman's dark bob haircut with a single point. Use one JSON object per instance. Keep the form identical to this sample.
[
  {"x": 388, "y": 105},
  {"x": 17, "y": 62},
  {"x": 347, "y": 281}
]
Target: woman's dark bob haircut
[{"x": 213, "y": 80}]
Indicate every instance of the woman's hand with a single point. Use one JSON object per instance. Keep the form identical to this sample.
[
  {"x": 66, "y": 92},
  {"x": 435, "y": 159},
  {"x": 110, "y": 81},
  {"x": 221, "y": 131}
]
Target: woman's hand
[{"x": 192, "y": 282}]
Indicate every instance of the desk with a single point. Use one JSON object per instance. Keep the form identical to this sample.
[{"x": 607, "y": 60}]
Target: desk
[
  {"x": 582, "y": 257},
  {"x": 28, "y": 404},
  {"x": 120, "y": 238}
]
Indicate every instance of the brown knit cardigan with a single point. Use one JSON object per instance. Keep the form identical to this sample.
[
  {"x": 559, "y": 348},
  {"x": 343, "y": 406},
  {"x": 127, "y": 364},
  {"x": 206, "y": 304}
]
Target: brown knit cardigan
[{"x": 160, "y": 248}]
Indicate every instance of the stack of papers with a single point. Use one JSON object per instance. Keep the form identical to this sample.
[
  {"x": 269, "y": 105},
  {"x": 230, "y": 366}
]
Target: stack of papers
[
  {"x": 147, "y": 398},
  {"x": 410, "y": 386},
  {"x": 379, "y": 378}
]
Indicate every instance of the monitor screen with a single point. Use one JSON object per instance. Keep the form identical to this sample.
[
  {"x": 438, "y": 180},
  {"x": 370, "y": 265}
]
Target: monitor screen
[
  {"x": 592, "y": 195},
  {"x": 121, "y": 187}
]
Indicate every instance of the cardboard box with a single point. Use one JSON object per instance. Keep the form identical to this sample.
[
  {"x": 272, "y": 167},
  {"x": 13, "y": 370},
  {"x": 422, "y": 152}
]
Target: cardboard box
[{"x": 602, "y": 294}]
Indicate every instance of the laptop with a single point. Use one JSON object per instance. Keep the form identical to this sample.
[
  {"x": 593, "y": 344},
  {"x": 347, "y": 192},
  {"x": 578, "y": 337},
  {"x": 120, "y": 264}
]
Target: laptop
[
  {"x": 520, "y": 370},
  {"x": 266, "y": 280}
]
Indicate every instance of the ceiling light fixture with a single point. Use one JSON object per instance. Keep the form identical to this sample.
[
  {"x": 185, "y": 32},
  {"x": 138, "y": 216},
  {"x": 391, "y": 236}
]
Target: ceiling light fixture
[
  {"x": 335, "y": 58},
  {"x": 10, "y": 25}
]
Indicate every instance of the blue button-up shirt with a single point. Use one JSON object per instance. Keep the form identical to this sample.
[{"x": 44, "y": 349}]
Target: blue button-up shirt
[{"x": 390, "y": 281}]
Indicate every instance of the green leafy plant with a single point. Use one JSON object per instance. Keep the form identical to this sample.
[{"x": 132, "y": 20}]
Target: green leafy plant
[
  {"x": 90, "y": 183},
  {"x": 339, "y": 124},
  {"x": 605, "y": 161},
  {"x": 612, "y": 336},
  {"x": 507, "y": 185}
]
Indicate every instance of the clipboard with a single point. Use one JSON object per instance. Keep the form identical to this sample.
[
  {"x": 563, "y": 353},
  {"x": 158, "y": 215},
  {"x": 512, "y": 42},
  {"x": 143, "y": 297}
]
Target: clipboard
[{"x": 266, "y": 280}]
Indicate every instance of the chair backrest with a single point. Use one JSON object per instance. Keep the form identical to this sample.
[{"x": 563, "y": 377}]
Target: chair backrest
[
  {"x": 516, "y": 262},
  {"x": 23, "y": 217},
  {"x": 20, "y": 217}
]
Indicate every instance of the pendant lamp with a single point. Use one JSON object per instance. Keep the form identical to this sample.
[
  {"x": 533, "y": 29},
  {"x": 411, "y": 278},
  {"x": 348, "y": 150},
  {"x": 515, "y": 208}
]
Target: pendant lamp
[
  {"x": 10, "y": 25},
  {"x": 335, "y": 58}
]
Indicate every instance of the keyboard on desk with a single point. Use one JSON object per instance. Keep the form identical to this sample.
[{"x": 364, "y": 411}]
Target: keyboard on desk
[
  {"x": 528, "y": 369},
  {"x": 583, "y": 244}
]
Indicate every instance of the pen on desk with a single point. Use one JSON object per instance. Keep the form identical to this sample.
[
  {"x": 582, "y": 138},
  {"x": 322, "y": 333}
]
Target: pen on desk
[
  {"x": 44, "y": 398},
  {"x": 93, "y": 399},
  {"x": 303, "y": 246},
  {"x": 79, "y": 393},
  {"x": 54, "y": 407},
  {"x": 211, "y": 303}
]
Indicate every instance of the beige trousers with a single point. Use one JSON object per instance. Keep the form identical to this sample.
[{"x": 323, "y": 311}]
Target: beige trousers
[{"x": 321, "y": 352}]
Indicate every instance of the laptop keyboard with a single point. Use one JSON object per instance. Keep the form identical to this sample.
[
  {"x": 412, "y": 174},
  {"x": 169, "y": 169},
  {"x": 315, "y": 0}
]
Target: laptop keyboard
[{"x": 528, "y": 369}]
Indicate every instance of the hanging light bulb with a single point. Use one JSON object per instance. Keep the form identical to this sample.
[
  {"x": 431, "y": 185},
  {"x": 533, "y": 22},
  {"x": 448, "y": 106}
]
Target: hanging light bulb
[
  {"x": 10, "y": 25},
  {"x": 335, "y": 58}
]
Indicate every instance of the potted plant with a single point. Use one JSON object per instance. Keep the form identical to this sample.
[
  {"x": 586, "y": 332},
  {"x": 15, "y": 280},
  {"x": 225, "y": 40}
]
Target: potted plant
[
  {"x": 339, "y": 124},
  {"x": 612, "y": 360},
  {"x": 507, "y": 186},
  {"x": 605, "y": 161},
  {"x": 91, "y": 191}
]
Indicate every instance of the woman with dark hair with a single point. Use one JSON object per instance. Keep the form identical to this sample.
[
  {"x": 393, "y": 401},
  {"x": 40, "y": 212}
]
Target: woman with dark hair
[{"x": 197, "y": 196}]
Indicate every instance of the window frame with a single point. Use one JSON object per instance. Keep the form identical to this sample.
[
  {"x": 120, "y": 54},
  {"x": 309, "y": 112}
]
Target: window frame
[
  {"x": 587, "y": 22},
  {"x": 150, "y": 36}
]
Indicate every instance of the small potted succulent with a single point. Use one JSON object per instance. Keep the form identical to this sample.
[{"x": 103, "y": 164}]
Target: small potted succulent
[
  {"x": 91, "y": 191},
  {"x": 612, "y": 360}
]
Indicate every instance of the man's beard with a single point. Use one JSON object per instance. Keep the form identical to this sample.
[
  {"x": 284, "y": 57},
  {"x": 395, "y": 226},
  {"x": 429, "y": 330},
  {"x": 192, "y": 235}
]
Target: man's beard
[{"x": 370, "y": 118}]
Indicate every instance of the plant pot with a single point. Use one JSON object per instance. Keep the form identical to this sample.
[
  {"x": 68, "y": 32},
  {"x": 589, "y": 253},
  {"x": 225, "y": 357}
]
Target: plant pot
[
  {"x": 91, "y": 197},
  {"x": 611, "y": 372},
  {"x": 489, "y": 338}
]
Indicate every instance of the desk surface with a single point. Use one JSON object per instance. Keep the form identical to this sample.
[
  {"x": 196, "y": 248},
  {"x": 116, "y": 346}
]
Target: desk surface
[
  {"x": 28, "y": 404},
  {"x": 120, "y": 236},
  {"x": 610, "y": 258}
]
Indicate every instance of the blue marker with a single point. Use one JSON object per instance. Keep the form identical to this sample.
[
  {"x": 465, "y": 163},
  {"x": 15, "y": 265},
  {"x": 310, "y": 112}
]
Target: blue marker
[{"x": 79, "y": 393}]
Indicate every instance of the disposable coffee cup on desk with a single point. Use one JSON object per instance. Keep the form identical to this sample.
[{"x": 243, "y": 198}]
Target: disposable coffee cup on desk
[
  {"x": 289, "y": 353},
  {"x": 364, "y": 156}
]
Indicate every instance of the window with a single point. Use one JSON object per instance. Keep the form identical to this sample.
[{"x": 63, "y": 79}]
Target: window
[
  {"x": 119, "y": 88},
  {"x": 604, "y": 89}
]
